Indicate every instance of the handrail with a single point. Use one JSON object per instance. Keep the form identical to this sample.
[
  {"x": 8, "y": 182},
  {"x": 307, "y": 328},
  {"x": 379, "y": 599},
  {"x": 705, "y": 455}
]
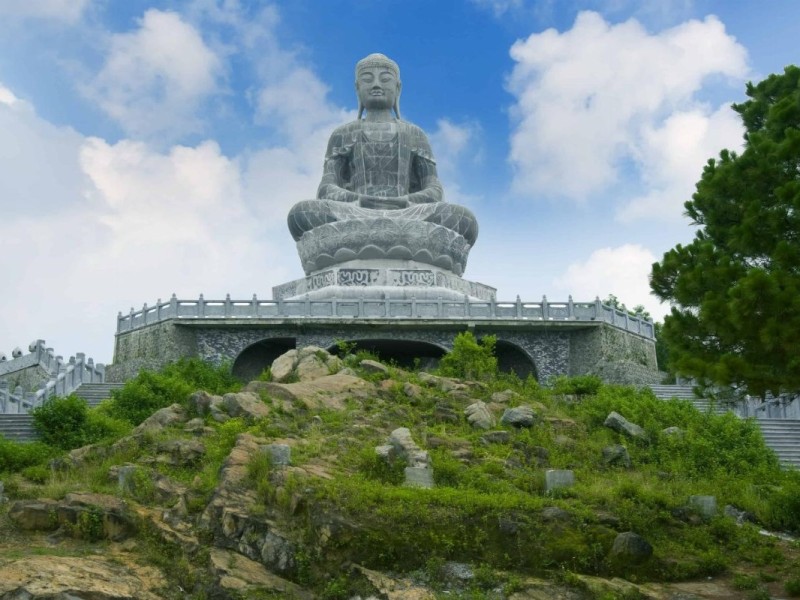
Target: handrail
[
  {"x": 388, "y": 308},
  {"x": 64, "y": 379}
]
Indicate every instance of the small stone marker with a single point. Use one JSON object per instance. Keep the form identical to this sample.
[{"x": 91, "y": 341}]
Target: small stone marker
[
  {"x": 125, "y": 481},
  {"x": 631, "y": 548},
  {"x": 617, "y": 455},
  {"x": 705, "y": 505},
  {"x": 279, "y": 454},
  {"x": 421, "y": 477},
  {"x": 558, "y": 478},
  {"x": 418, "y": 472}
]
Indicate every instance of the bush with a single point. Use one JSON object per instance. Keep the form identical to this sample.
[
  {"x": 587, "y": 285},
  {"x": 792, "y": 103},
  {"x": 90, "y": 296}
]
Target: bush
[
  {"x": 149, "y": 391},
  {"x": 581, "y": 385},
  {"x": 470, "y": 359},
  {"x": 792, "y": 586},
  {"x": 15, "y": 456},
  {"x": 62, "y": 422}
]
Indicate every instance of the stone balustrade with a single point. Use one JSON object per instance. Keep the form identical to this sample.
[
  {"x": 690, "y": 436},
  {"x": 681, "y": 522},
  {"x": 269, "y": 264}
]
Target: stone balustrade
[
  {"x": 381, "y": 309},
  {"x": 65, "y": 377}
]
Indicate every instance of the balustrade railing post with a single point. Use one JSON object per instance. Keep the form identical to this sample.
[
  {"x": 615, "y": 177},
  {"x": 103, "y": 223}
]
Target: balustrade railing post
[
  {"x": 598, "y": 308},
  {"x": 386, "y": 308},
  {"x": 627, "y": 321},
  {"x": 173, "y": 305},
  {"x": 201, "y": 306},
  {"x": 307, "y": 309},
  {"x": 158, "y": 310},
  {"x": 439, "y": 308},
  {"x": 130, "y": 325},
  {"x": 518, "y": 307},
  {"x": 413, "y": 306},
  {"x": 144, "y": 313},
  {"x": 228, "y": 306},
  {"x": 334, "y": 308},
  {"x": 570, "y": 308},
  {"x": 466, "y": 306},
  {"x": 545, "y": 309},
  {"x": 492, "y": 308},
  {"x": 360, "y": 314},
  {"x": 254, "y": 306}
]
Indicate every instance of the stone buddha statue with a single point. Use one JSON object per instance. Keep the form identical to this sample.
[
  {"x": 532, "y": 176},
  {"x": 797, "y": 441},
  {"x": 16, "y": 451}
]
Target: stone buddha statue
[{"x": 380, "y": 198}]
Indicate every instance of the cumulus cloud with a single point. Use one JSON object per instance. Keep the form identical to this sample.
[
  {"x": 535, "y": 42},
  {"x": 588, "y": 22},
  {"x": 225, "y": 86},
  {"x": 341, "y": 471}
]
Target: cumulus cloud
[
  {"x": 68, "y": 11},
  {"x": 155, "y": 78},
  {"x": 593, "y": 98},
  {"x": 455, "y": 146},
  {"x": 499, "y": 7},
  {"x": 623, "y": 271}
]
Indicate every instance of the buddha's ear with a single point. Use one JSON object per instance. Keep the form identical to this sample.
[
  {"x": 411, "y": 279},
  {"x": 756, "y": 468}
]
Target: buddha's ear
[{"x": 397, "y": 99}]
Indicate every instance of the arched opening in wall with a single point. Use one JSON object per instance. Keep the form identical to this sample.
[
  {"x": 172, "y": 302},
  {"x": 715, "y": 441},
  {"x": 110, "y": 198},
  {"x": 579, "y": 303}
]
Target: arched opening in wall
[
  {"x": 252, "y": 361},
  {"x": 402, "y": 352},
  {"x": 512, "y": 358}
]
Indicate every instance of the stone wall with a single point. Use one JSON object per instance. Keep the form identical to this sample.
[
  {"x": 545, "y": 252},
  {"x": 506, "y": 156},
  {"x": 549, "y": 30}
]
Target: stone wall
[
  {"x": 614, "y": 355},
  {"x": 553, "y": 348},
  {"x": 27, "y": 378}
]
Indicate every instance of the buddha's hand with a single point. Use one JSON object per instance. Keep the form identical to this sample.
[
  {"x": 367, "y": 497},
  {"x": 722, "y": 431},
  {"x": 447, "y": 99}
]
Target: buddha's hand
[{"x": 378, "y": 203}]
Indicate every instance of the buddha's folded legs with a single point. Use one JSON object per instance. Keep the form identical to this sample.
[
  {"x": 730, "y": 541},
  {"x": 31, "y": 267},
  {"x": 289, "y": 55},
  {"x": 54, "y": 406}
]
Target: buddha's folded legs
[{"x": 309, "y": 214}]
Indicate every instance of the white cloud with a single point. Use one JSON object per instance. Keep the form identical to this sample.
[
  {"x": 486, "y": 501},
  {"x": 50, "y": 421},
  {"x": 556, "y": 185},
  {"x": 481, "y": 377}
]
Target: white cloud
[
  {"x": 155, "y": 78},
  {"x": 623, "y": 271},
  {"x": 590, "y": 98},
  {"x": 455, "y": 146},
  {"x": 62, "y": 10},
  {"x": 499, "y": 7}
]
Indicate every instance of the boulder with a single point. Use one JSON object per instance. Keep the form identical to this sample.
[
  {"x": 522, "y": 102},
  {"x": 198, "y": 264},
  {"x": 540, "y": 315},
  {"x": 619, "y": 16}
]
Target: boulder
[
  {"x": 311, "y": 367},
  {"x": 630, "y": 548},
  {"x": 621, "y": 425},
  {"x": 496, "y": 437},
  {"x": 442, "y": 413},
  {"x": 521, "y": 416},
  {"x": 71, "y": 577},
  {"x": 245, "y": 404},
  {"x": 283, "y": 366},
  {"x": 165, "y": 417},
  {"x": 412, "y": 390},
  {"x": 478, "y": 415},
  {"x": 505, "y": 396},
  {"x": 617, "y": 455},
  {"x": 373, "y": 366},
  {"x": 305, "y": 364},
  {"x": 418, "y": 473},
  {"x": 181, "y": 452},
  {"x": 238, "y": 576},
  {"x": 331, "y": 391},
  {"x": 201, "y": 402},
  {"x": 280, "y": 454},
  {"x": 706, "y": 506}
]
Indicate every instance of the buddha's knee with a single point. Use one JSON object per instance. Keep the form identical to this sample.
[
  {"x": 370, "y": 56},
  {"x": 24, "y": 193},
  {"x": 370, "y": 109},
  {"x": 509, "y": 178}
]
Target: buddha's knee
[
  {"x": 307, "y": 215},
  {"x": 456, "y": 218}
]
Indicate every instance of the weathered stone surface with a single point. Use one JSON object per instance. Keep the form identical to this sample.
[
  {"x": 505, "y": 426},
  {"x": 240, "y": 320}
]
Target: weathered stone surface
[
  {"x": 496, "y": 437},
  {"x": 505, "y": 396},
  {"x": 373, "y": 366},
  {"x": 621, "y": 425},
  {"x": 72, "y": 578},
  {"x": 521, "y": 416},
  {"x": 311, "y": 367},
  {"x": 395, "y": 588},
  {"x": 443, "y": 413},
  {"x": 326, "y": 392},
  {"x": 631, "y": 548},
  {"x": 181, "y": 452},
  {"x": 280, "y": 454},
  {"x": 240, "y": 575},
  {"x": 552, "y": 514},
  {"x": 478, "y": 415},
  {"x": 283, "y": 366},
  {"x": 421, "y": 477},
  {"x": 201, "y": 402},
  {"x": 165, "y": 417},
  {"x": 245, "y": 404},
  {"x": 617, "y": 455},
  {"x": 555, "y": 479},
  {"x": 706, "y": 506},
  {"x": 412, "y": 390}
]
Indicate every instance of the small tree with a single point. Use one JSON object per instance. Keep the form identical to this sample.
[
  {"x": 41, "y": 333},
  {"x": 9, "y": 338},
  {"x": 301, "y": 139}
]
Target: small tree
[
  {"x": 735, "y": 289},
  {"x": 62, "y": 422},
  {"x": 470, "y": 359}
]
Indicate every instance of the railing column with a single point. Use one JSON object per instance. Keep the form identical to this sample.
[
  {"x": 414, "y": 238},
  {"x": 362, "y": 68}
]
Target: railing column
[
  {"x": 360, "y": 308},
  {"x": 493, "y": 308},
  {"x": 518, "y": 307},
  {"x": 413, "y": 306},
  {"x": 173, "y": 305},
  {"x": 254, "y": 306},
  {"x": 201, "y": 306},
  {"x": 598, "y": 308},
  {"x": 228, "y": 306},
  {"x": 307, "y": 310},
  {"x": 466, "y": 306},
  {"x": 439, "y": 308},
  {"x": 545, "y": 309},
  {"x": 570, "y": 308},
  {"x": 3, "y": 396},
  {"x": 334, "y": 308}
]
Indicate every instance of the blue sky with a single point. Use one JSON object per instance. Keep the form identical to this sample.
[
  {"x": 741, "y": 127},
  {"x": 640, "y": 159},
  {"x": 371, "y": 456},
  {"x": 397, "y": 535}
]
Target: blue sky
[{"x": 155, "y": 147}]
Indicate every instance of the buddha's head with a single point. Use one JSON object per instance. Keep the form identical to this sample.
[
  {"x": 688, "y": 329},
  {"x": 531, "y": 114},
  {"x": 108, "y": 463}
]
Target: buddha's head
[{"x": 378, "y": 84}]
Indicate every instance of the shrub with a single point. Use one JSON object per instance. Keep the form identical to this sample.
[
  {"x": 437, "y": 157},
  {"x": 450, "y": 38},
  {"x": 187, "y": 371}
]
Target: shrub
[
  {"x": 792, "y": 586},
  {"x": 470, "y": 358},
  {"x": 62, "y": 422},
  {"x": 580, "y": 385},
  {"x": 149, "y": 391},
  {"x": 15, "y": 456}
]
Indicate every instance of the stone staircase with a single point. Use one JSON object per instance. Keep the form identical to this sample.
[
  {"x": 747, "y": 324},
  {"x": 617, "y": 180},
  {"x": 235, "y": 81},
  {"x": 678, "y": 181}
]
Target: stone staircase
[
  {"x": 95, "y": 393},
  {"x": 686, "y": 392},
  {"x": 19, "y": 428},
  {"x": 781, "y": 435}
]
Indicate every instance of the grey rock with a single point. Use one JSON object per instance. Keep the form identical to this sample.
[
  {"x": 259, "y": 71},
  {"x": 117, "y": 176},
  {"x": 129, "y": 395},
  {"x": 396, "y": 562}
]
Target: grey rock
[
  {"x": 672, "y": 431},
  {"x": 555, "y": 479},
  {"x": 443, "y": 413},
  {"x": 411, "y": 390},
  {"x": 617, "y": 455},
  {"x": 505, "y": 396},
  {"x": 631, "y": 548},
  {"x": 740, "y": 516},
  {"x": 478, "y": 415},
  {"x": 165, "y": 417},
  {"x": 521, "y": 416},
  {"x": 386, "y": 452},
  {"x": 554, "y": 514},
  {"x": 283, "y": 366},
  {"x": 706, "y": 506},
  {"x": 405, "y": 447},
  {"x": 201, "y": 402},
  {"x": 496, "y": 437},
  {"x": 311, "y": 366},
  {"x": 245, "y": 404},
  {"x": 125, "y": 478},
  {"x": 279, "y": 454},
  {"x": 373, "y": 366},
  {"x": 457, "y": 572},
  {"x": 181, "y": 452},
  {"x": 621, "y": 425}
]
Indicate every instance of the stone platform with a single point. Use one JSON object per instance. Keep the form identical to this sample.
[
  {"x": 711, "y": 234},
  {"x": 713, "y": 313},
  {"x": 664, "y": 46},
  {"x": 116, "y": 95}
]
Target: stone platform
[{"x": 395, "y": 279}]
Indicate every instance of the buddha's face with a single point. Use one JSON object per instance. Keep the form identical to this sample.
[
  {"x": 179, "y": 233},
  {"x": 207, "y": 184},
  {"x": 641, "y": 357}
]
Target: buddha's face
[{"x": 377, "y": 87}]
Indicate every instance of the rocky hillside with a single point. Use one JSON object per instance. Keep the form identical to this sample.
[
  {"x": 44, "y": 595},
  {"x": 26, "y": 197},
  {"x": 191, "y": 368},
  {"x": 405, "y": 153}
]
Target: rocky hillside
[{"x": 347, "y": 478}]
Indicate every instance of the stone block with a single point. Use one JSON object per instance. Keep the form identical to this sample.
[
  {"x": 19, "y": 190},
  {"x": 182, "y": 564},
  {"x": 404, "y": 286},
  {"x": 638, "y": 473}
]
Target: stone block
[
  {"x": 421, "y": 477},
  {"x": 521, "y": 416},
  {"x": 706, "y": 506},
  {"x": 621, "y": 425},
  {"x": 479, "y": 416},
  {"x": 555, "y": 479},
  {"x": 373, "y": 366},
  {"x": 279, "y": 454},
  {"x": 617, "y": 455},
  {"x": 631, "y": 548}
]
